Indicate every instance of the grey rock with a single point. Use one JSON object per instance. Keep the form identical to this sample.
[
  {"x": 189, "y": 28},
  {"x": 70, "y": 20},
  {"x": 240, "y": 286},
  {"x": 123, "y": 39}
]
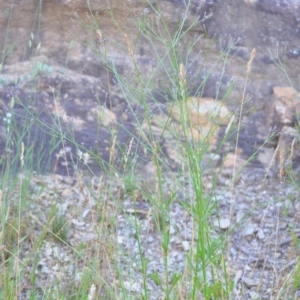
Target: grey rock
[{"x": 46, "y": 33}]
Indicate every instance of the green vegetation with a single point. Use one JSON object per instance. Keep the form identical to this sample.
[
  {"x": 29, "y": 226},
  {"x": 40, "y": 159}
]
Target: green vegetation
[{"x": 59, "y": 235}]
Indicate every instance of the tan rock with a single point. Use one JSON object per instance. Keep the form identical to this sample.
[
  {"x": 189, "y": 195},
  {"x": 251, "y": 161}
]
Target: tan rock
[
  {"x": 282, "y": 113},
  {"x": 162, "y": 124},
  {"x": 284, "y": 107},
  {"x": 208, "y": 132},
  {"x": 285, "y": 154},
  {"x": 201, "y": 117},
  {"x": 157, "y": 124},
  {"x": 202, "y": 111},
  {"x": 106, "y": 116},
  {"x": 265, "y": 156},
  {"x": 231, "y": 160},
  {"x": 288, "y": 146},
  {"x": 233, "y": 165}
]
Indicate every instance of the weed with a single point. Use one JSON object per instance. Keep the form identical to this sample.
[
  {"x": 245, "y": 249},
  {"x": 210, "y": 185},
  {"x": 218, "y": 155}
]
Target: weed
[{"x": 60, "y": 228}]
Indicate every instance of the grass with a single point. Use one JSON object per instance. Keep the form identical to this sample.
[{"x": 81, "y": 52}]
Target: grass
[{"x": 89, "y": 235}]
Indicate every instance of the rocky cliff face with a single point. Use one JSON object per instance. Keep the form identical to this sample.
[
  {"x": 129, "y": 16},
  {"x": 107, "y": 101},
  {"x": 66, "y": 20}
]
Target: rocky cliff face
[
  {"x": 60, "y": 43},
  {"x": 269, "y": 26}
]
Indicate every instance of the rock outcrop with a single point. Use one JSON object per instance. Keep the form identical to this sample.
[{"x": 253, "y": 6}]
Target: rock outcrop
[
  {"x": 56, "y": 29},
  {"x": 63, "y": 45}
]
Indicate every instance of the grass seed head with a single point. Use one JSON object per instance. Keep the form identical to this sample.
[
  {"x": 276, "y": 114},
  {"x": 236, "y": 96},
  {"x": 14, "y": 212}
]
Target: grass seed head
[
  {"x": 128, "y": 150},
  {"x": 129, "y": 48},
  {"x": 22, "y": 154},
  {"x": 251, "y": 60},
  {"x": 182, "y": 78},
  {"x": 281, "y": 164},
  {"x": 99, "y": 33}
]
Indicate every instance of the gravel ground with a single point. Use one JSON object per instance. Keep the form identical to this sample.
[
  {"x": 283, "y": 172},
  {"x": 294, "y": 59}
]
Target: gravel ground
[{"x": 260, "y": 215}]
